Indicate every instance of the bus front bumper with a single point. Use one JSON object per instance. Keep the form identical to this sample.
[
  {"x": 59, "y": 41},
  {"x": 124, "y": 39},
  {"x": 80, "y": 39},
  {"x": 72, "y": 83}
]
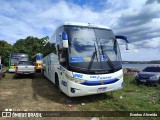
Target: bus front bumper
[
  {"x": 12, "y": 70},
  {"x": 75, "y": 90}
]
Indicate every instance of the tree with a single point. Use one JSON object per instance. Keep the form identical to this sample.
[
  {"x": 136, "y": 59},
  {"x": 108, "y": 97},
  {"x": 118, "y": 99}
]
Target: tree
[
  {"x": 32, "y": 45},
  {"x": 5, "y": 50}
]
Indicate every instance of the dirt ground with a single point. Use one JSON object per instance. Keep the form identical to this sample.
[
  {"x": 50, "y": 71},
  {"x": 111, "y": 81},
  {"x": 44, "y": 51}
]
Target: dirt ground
[
  {"x": 33, "y": 94},
  {"x": 39, "y": 94}
]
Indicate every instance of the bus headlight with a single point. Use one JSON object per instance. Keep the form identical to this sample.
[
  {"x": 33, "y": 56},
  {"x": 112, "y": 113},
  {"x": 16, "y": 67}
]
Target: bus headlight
[{"x": 76, "y": 80}]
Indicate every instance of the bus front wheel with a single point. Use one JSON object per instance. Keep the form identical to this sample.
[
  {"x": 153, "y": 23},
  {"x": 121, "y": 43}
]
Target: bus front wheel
[{"x": 57, "y": 83}]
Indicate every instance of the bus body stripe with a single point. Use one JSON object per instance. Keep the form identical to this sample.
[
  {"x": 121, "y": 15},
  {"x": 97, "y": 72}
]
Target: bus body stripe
[{"x": 100, "y": 82}]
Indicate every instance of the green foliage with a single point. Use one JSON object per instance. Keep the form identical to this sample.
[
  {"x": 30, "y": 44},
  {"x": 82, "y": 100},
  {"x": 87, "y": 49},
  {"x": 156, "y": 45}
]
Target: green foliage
[
  {"x": 5, "y": 50},
  {"x": 30, "y": 45},
  {"x": 130, "y": 98},
  {"x": 49, "y": 48}
]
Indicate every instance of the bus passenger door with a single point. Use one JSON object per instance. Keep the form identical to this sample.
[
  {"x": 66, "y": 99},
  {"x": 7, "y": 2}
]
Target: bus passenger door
[
  {"x": 51, "y": 69},
  {"x": 62, "y": 79}
]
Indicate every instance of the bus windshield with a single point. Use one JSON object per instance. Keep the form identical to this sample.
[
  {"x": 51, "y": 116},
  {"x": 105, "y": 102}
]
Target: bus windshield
[
  {"x": 93, "y": 49},
  {"x": 14, "y": 61},
  {"x": 15, "y": 58}
]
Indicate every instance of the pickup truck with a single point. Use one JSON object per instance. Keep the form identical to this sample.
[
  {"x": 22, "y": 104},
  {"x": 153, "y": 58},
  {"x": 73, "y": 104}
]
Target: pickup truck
[
  {"x": 2, "y": 71},
  {"x": 25, "y": 68}
]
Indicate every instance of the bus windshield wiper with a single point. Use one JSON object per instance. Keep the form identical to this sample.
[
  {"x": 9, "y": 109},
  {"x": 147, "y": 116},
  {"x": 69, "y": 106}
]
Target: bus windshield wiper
[
  {"x": 92, "y": 58},
  {"x": 109, "y": 61}
]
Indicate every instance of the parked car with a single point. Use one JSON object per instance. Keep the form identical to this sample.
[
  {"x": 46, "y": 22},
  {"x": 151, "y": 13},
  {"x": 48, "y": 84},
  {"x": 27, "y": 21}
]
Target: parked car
[
  {"x": 25, "y": 68},
  {"x": 2, "y": 71},
  {"x": 150, "y": 75}
]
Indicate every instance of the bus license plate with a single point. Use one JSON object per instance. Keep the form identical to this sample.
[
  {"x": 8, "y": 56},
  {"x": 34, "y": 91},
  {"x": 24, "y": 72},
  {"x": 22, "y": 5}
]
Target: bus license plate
[
  {"x": 102, "y": 89},
  {"x": 26, "y": 73}
]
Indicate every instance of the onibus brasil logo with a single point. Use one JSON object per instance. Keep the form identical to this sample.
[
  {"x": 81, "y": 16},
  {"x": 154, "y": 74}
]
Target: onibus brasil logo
[{"x": 18, "y": 113}]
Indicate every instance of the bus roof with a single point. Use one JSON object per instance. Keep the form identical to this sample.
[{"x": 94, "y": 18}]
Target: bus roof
[
  {"x": 79, "y": 24},
  {"x": 17, "y": 54},
  {"x": 84, "y": 24},
  {"x": 37, "y": 54}
]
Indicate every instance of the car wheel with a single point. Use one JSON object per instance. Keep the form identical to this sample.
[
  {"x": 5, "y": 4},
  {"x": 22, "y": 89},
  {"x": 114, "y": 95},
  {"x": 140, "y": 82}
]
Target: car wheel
[
  {"x": 153, "y": 84},
  {"x": 33, "y": 75},
  {"x": 16, "y": 76},
  {"x": 137, "y": 82},
  {"x": 4, "y": 75}
]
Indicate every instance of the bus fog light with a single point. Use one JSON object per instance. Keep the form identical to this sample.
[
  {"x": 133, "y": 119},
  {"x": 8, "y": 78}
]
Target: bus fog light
[{"x": 73, "y": 90}]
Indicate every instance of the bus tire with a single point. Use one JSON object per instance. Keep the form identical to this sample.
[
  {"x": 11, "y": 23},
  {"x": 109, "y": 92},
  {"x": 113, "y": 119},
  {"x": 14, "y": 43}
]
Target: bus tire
[
  {"x": 0, "y": 76},
  {"x": 4, "y": 75},
  {"x": 57, "y": 83}
]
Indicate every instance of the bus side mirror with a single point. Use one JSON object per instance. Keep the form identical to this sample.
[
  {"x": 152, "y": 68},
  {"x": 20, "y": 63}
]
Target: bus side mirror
[
  {"x": 64, "y": 40},
  {"x": 127, "y": 46},
  {"x": 125, "y": 39}
]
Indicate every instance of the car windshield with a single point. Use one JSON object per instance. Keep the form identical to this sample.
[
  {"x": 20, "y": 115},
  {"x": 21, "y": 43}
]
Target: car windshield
[
  {"x": 152, "y": 69},
  {"x": 25, "y": 63},
  {"x": 23, "y": 59}
]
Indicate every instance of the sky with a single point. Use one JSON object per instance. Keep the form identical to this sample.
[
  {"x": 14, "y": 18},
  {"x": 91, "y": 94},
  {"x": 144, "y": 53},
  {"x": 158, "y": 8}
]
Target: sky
[{"x": 138, "y": 20}]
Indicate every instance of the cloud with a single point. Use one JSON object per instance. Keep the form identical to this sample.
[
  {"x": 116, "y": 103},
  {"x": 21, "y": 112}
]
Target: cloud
[
  {"x": 153, "y": 43},
  {"x": 137, "y": 19},
  {"x": 141, "y": 24},
  {"x": 152, "y": 1},
  {"x": 142, "y": 50}
]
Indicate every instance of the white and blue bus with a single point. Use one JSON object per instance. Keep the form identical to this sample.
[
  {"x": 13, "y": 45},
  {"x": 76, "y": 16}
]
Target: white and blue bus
[{"x": 87, "y": 59}]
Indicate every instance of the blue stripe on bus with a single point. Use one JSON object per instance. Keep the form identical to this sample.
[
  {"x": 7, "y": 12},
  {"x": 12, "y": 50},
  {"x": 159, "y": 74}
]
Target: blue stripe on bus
[{"x": 100, "y": 82}]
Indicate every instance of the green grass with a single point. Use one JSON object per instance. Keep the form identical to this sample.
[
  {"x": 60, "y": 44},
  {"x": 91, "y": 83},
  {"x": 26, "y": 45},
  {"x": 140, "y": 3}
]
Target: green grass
[
  {"x": 40, "y": 94},
  {"x": 130, "y": 98}
]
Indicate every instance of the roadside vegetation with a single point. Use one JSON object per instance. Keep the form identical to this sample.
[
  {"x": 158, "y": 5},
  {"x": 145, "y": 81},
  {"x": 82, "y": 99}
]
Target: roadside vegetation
[
  {"x": 39, "y": 94},
  {"x": 130, "y": 98},
  {"x": 30, "y": 45}
]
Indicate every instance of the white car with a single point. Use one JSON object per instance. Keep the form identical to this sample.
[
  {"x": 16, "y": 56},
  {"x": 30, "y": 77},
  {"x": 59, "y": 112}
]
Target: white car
[{"x": 25, "y": 68}]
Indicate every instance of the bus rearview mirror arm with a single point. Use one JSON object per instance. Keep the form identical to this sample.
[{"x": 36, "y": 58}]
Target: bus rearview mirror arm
[
  {"x": 127, "y": 46},
  {"x": 125, "y": 39}
]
